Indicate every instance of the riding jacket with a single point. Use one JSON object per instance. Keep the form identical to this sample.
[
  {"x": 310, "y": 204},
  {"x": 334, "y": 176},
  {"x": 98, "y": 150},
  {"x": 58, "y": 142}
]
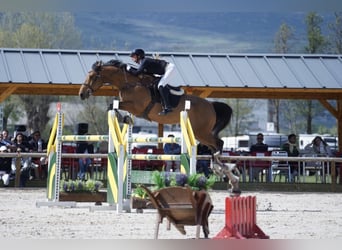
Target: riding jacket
[{"x": 150, "y": 66}]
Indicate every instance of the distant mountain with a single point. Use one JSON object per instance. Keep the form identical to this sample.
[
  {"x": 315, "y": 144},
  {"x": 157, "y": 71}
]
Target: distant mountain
[
  {"x": 210, "y": 32},
  {"x": 193, "y": 32}
]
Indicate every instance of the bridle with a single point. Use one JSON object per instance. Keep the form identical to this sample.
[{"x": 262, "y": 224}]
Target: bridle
[
  {"x": 88, "y": 86},
  {"x": 97, "y": 70}
]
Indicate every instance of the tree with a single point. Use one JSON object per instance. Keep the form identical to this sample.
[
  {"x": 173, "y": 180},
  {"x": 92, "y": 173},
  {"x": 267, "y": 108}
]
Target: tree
[
  {"x": 95, "y": 113},
  {"x": 11, "y": 110},
  {"x": 282, "y": 38},
  {"x": 336, "y": 32},
  {"x": 242, "y": 116},
  {"x": 273, "y": 106},
  {"x": 316, "y": 41},
  {"x": 38, "y": 30},
  {"x": 299, "y": 115},
  {"x": 316, "y": 44},
  {"x": 281, "y": 45}
]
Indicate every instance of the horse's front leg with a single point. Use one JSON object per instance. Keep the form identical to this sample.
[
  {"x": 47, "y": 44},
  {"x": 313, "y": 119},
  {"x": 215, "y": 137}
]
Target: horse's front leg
[{"x": 121, "y": 118}]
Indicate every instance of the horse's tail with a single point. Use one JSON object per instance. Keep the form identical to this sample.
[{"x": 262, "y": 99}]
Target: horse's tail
[{"x": 223, "y": 115}]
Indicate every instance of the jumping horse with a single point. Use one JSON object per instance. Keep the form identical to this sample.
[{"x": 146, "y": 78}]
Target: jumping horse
[{"x": 207, "y": 118}]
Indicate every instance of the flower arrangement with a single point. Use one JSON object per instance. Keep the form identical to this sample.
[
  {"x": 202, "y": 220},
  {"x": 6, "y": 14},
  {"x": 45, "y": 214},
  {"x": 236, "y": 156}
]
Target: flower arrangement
[
  {"x": 79, "y": 186},
  {"x": 169, "y": 179},
  {"x": 195, "y": 181}
]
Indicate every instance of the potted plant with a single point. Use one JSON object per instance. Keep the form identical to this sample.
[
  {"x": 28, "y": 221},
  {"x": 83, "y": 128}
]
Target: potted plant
[
  {"x": 139, "y": 198},
  {"x": 82, "y": 191},
  {"x": 196, "y": 181}
]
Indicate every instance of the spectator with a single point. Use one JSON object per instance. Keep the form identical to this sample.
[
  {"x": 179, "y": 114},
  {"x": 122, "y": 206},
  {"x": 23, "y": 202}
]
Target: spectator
[
  {"x": 203, "y": 166},
  {"x": 292, "y": 151},
  {"x": 7, "y": 141},
  {"x": 258, "y": 147},
  {"x": 172, "y": 149},
  {"x": 84, "y": 163},
  {"x": 5, "y": 165},
  {"x": 26, "y": 162},
  {"x": 318, "y": 146},
  {"x": 291, "y": 146},
  {"x": 38, "y": 145}
]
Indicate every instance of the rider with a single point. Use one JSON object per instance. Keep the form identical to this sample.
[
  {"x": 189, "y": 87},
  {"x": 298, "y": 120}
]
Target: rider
[{"x": 155, "y": 67}]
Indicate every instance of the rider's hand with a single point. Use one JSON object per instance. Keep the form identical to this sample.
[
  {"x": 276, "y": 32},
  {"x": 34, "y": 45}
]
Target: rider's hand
[
  {"x": 122, "y": 65},
  {"x": 128, "y": 67}
]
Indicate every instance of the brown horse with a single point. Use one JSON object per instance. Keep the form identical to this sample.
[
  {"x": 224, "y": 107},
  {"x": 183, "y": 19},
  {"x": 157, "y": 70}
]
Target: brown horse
[{"x": 207, "y": 118}]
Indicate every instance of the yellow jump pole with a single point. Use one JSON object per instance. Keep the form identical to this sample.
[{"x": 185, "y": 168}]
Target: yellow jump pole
[
  {"x": 117, "y": 162},
  {"x": 188, "y": 137}
]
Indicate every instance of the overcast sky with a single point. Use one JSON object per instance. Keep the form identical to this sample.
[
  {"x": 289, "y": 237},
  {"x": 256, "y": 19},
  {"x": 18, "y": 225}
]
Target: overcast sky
[{"x": 174, "y": 5}]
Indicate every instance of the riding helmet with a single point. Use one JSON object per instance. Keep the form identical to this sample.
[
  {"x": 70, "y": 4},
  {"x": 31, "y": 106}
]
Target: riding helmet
[{"x": 138, "y": 52}]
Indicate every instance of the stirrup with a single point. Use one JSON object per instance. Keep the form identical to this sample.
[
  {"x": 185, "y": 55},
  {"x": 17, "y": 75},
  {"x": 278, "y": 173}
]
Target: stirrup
[{"x": 165, "y": 111}]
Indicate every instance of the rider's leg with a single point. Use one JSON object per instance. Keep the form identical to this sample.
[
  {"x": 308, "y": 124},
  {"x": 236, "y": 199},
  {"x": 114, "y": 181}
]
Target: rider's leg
[
  {"x": 163, "y": 90},
  {"x": 164, "y": 93}
]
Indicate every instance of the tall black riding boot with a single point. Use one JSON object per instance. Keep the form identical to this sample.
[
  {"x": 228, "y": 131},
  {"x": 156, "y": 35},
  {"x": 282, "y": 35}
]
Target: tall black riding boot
[{"x": 164, "y": 93}]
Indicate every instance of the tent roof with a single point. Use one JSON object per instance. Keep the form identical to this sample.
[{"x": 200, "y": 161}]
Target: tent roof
[{"x": 60, "y": 72}]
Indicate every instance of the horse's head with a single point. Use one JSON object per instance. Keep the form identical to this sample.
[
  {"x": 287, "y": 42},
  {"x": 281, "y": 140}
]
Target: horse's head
[
  {"x": 101, "y": 74},
  {"x": 93, "y": 81}
]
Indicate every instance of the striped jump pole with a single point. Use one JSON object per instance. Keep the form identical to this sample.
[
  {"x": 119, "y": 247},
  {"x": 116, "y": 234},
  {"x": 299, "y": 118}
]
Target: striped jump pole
[
  {"x": 189, "y": 148},
  {"x": 54, "y": 153},
  {"x": 54, "y": 149},
  {"x": 117, "y": 163},
  {"x": 188, "y": 154},
  {"x": 183, "y": 157},
  {"x": 118, "y": 187},
  {"x": 152, "y": 157}
]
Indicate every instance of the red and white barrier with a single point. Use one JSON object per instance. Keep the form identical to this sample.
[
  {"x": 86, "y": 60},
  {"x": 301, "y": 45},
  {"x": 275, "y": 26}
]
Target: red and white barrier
[{"x": 241, "y": 220}]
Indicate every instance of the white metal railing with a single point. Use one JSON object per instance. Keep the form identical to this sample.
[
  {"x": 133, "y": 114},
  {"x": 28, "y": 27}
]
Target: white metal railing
[{"x": 329, "y": 161}]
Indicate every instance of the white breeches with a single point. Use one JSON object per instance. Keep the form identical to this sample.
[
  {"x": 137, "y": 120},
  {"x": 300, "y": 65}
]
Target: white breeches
[
  {"x": 169, "y": 71},
  {"x": 5, "y": 178}
]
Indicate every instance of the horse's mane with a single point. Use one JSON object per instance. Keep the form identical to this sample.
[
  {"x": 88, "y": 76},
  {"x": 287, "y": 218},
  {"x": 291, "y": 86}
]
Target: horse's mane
[
  {"x": 113, "y": 62},
  {"x": 98, "y": 64},
  {"x": 116, "y": 63}
]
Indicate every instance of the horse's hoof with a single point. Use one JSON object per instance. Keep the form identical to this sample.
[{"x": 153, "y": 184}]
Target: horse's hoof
[
  {"x": 234, "y": 192},
  {"x": 110, "y": 107},
  {"x": 128, "y": 120},
  {"x": 217, "y": 153}
]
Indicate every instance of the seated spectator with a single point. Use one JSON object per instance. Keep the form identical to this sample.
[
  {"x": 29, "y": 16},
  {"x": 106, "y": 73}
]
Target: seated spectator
[
  {"x": 26, "y": 162},
  {"x": 203, "y": 166},
  {"x": 5, "y": 166},
  {"x": 7, "y": 141},
  {"x": 291, "y": 146},
  {"x": 292, "y": 151},
  {"x": 172, "y": 149},
  {"x": 84, "y": 163},
  {"x": 39, "y": 145},
  {"x": 258, "y": 147},
  {"x": 318, "y": 146}
]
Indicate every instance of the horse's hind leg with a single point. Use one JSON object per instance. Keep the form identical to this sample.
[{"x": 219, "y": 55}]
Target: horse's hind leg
[
  {"x": 227, "y": 170},
  {"x": 220, "y": 168}
]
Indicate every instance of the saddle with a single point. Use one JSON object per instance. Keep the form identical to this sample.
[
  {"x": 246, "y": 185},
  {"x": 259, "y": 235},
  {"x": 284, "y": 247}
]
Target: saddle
[{"x": 175, "y": 93}]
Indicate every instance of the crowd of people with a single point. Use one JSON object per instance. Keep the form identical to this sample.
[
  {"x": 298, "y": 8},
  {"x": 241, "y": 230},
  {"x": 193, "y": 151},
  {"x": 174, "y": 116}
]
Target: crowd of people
[
  {"x": 317, "y": 147},
  {"x": 29, "y": 166}
]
